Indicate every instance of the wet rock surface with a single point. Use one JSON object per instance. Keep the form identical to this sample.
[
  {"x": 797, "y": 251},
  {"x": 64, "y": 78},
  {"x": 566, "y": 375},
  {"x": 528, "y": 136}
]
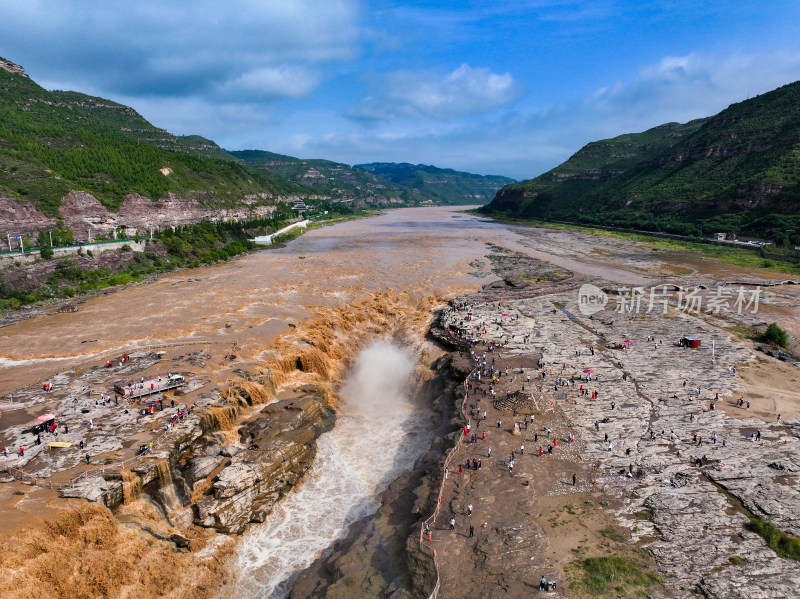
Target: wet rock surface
[
  {"x": 181, "y": 458},
  {"x": 277, "y": 448}
]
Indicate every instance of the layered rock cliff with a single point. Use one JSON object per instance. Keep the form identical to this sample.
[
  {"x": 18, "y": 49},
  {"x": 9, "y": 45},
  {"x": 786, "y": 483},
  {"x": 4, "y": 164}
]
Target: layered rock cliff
[{"x": 214, "y": 482}]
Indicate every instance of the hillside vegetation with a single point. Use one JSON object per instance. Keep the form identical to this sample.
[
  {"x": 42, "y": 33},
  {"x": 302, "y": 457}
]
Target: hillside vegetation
[
  {"x": 332, "y": 179},
  {"x": 55, "y": 142},
  {"x": 394, "y": 182},
  {"x": 444, "y": 186},
  {"x": 738, "y": 171}
]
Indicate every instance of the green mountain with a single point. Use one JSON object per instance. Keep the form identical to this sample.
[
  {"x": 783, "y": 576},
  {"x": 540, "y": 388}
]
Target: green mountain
[
  {"x": 55, "y": 142},
  {"x": 738, "y": 171},
  {"x": 444, "y": 186},
  {"x": 377, "y": 181},
  {"x": 333, "y": 179}
]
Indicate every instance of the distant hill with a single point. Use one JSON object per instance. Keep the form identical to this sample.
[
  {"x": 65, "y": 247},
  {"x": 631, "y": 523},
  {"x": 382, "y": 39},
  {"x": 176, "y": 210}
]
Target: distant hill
[
  {"x": 52, "y": 143},
  {"x": 733, "y": 172},
  {"x": 377, "y": 181},
  {"x": 332, "y": 179},
  {"x": 443, "y": 185}
]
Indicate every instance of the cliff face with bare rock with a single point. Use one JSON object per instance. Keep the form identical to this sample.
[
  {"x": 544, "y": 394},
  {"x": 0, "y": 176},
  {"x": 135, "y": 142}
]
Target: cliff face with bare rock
[
  {"x": 22, "y": 217},
  {"x": 68, "y": 160},
  {"x": 81, "y": 211}
]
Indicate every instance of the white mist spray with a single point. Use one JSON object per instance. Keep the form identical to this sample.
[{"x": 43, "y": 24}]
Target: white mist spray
[
  {"x": 378, "y": 434},
  {"x": 376, "y": 386}
]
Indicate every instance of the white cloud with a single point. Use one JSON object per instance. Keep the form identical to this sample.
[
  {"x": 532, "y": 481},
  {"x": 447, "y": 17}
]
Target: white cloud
[
  {"x": 418, "y": 94},
  {"x": 286, "y": 81},
  {"x": 182, "y": 48},
  {"x": 681, "y": 88},
  {"x": 523, "y": 142}
]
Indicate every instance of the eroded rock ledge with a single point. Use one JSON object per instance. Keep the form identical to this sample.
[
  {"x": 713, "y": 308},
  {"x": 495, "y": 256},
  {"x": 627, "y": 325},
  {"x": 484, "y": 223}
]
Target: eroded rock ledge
[{"x": 215, "y": 483}]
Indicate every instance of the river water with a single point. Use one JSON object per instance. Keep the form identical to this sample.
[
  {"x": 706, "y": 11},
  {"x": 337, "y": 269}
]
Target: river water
[
  {"x": 421, "y": 251},
  {"x": 380, "y": 433},
  {"x": 242, "y": 308}
]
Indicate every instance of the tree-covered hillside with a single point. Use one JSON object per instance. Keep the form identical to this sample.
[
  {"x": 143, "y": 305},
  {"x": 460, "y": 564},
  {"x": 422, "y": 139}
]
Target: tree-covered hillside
[
  {"x": 738, "y": 171},
  {"x": 333, "y": 179},
  {"x": 445, "y": 186},
  {"x": 55, "y": 142}
]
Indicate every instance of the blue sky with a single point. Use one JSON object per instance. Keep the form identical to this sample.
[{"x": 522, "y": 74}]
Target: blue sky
[{"x": 511, "y": 88}]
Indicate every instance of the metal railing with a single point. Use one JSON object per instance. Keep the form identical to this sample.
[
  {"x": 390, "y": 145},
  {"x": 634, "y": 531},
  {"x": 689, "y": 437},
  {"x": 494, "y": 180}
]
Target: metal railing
[
  {"x": 75, "y": 244},
  {"x": 22, "y": 475},
  {"x": 116, "y": 466},
  {"x": 424, "y": 546}
]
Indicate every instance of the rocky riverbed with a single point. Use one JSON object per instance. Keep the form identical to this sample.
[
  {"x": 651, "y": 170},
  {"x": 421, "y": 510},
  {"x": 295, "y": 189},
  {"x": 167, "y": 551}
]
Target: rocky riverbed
[
  {"x": 257, "y": 409},
  {"x": 671, "y": 466}
]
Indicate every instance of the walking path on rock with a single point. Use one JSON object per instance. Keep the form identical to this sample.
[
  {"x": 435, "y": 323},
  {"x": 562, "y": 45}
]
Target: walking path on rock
[{"x": 657, "y": 427}]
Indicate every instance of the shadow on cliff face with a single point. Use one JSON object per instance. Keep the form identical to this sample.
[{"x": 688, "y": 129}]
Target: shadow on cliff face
[{"x": 379, "y": 434}]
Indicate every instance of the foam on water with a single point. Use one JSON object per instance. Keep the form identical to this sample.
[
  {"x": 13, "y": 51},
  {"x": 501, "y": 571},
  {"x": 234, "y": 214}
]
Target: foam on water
[{"x": 378, "y": 434}]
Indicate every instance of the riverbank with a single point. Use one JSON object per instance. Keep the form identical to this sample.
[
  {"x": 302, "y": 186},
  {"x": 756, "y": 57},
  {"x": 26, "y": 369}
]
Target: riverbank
[
  {"x": 649, "y": 454},
  {"x": 740, "y": 256},
  {"x": 297, "y": 320},
  {"x": 35, "y": 284},
  {"x": 225, "y": 462},
  {"x": 635, "y": 471}
]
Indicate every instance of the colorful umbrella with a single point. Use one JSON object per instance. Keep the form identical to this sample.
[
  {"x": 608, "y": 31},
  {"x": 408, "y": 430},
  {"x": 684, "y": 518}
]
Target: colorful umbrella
[
  {"x": 589, "y": 371},
  {"x": 41, "y": 419},
  {"x": 628, "y": 341}
]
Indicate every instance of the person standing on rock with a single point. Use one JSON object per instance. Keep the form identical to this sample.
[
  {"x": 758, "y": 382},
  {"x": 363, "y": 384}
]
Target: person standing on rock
[
  {"x": 471, "y": 531},
  {"x": 574, "y": 479},
  {"x": 522, "y": 449},
  {"x": 21, "y": 451},
  {"x": 88, "y": 460},
  {"x": 469, "y": 509},
  {"x": 452, "y": 523},
  {"x": 489, "y": 452}
]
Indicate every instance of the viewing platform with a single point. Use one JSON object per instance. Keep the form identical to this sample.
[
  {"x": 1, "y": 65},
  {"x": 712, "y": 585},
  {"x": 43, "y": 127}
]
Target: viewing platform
[{"x": 137, "y": 389}]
